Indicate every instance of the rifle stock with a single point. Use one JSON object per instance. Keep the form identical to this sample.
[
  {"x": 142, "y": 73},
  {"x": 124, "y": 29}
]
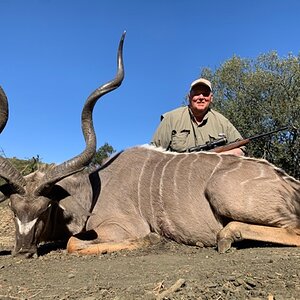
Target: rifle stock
[{"x": 231, "y": 146}]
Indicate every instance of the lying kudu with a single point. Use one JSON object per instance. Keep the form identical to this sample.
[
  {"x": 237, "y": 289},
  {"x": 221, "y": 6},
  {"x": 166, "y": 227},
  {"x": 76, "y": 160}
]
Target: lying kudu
[{"x": 202, "y": 198}]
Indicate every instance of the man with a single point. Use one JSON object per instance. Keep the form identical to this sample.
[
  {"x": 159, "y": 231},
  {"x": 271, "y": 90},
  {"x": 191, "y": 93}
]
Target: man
[{"x": 195, "y": 124}]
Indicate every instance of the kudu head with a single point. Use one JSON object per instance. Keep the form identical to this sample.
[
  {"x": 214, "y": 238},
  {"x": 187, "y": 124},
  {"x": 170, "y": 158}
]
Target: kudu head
[{"x": 31, "y": 197}]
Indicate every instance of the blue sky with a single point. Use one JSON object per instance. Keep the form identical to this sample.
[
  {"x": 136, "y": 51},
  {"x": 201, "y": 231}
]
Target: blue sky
[{"x": 54, "y": 53}]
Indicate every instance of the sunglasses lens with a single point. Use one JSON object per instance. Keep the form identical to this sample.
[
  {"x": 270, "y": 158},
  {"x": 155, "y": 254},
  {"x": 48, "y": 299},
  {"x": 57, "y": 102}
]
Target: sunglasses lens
[{"x": 200, "y": 91}]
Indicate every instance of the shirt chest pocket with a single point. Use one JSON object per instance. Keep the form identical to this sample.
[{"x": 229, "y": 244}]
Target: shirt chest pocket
[{"x": 179, "y": 140}]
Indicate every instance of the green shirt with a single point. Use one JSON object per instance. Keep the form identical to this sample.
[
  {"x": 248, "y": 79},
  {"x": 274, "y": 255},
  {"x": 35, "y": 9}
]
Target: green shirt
[{"x": 178, "y": 130}]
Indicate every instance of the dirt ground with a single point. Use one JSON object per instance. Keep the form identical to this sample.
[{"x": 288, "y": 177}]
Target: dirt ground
[{"x": 164, "y": 271}]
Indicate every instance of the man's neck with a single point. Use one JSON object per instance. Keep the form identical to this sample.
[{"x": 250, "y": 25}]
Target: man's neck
[{"x": 198, "y": 116}]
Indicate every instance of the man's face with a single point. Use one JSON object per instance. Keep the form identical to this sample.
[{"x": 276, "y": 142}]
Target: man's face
[{"x": 200, "y": 97}]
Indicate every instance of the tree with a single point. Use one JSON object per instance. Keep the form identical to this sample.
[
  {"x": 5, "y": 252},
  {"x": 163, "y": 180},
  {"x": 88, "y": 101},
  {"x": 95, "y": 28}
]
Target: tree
[
  {"x": 102, "y": 154},
  {"x": 260, "y": 95}
]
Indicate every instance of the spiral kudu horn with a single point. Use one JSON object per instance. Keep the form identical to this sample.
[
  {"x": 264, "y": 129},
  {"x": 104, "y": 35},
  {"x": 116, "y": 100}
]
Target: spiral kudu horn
[
  {"x": 7, "y": 170},
  {"x": 82, "y": 160},
  {"x": 3, "y": 109}
]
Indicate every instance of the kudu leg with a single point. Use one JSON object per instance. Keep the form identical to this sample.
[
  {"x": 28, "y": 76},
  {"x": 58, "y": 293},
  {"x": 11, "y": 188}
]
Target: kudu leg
[
  {"x": 237, "y": 231},
  {"x": 84, "y": 247}
]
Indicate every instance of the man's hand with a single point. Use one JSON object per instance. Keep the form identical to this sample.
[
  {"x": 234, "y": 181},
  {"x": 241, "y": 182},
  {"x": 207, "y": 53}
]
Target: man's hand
[{"x": 235, "y": 151}]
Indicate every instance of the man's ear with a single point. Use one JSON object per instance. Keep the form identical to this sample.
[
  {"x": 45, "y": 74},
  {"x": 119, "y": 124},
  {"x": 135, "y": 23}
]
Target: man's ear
[{"x": 212, "y": 97}]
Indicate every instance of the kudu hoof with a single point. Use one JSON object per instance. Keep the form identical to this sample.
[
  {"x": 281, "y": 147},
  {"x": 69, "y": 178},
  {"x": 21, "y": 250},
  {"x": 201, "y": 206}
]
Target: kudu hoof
[{"x": 224, "y": 245}]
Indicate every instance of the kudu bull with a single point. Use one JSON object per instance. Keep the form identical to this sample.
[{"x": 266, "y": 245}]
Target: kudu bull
[{"x": 203, "y": 199}]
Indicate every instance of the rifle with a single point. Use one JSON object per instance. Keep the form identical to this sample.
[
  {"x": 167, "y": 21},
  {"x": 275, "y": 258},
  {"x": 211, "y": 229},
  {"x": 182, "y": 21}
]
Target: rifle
[
  {"x": 209, "y": 145},
  {"x": 219, "y": 145}
]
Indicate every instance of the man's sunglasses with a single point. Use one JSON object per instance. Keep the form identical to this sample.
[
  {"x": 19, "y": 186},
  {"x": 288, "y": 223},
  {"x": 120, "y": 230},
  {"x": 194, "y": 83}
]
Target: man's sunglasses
[{"x": 205, "y": 93}]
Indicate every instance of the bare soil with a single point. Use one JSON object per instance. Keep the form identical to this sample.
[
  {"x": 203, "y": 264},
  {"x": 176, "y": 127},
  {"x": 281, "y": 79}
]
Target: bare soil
[{"x": 164, "y": 271}]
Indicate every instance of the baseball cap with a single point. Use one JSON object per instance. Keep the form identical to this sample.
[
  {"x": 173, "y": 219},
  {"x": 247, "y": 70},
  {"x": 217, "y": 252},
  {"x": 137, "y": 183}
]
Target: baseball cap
[{"x": 201, "y": 81}]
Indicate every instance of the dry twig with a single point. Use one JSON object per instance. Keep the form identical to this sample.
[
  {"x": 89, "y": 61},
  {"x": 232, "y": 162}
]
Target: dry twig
[{"x": 174, "y": 288}]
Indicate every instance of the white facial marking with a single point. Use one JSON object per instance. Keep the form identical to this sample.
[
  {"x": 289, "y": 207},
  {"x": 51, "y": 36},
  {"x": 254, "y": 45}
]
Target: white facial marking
[{"x": 24, "y": 228}]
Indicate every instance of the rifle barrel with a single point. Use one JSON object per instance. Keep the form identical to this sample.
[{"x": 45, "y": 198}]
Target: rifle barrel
[
  {"x": 268, "y": 133},
  {"x": 243, "y": 142}
]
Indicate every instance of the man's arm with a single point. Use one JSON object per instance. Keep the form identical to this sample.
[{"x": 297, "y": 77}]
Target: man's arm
[{"x": 162, "y": 135}]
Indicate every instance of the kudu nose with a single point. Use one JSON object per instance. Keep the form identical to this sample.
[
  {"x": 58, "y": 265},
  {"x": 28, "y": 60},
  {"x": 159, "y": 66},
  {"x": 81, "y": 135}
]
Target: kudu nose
[{"x": 25, "y": 253}]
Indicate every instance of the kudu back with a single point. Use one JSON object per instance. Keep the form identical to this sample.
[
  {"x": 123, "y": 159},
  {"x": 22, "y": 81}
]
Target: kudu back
[{"x": 203, "y": 199}]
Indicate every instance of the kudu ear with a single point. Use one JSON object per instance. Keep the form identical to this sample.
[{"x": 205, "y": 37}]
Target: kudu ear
[
  {"x": 2, "y": 197},
  {"x": 56, "y": 193},
  {"x": 66, "y": 201},
  {"x": 71, "y": 206},
  {"x": 5, "y": 191}
]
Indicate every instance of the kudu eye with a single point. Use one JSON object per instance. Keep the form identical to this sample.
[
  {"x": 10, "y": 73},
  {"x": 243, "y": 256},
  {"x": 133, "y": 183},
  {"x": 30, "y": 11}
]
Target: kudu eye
[
  {"x": 11, "y": 208},
  {"x": 45, "y": 208}
]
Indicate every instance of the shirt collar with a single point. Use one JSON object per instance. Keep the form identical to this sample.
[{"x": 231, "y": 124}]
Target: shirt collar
[{"x": 204, "y": 121}]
